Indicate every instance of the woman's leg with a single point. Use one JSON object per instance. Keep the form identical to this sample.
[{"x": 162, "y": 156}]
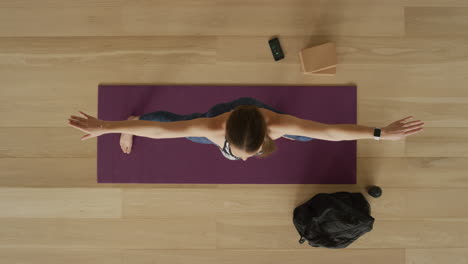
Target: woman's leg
[
  {"x": 165, "y": 116},
  {"x": 126, "y": 140}
]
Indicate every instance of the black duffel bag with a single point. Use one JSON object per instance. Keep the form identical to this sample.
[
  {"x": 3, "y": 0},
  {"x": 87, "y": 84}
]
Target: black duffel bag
[{"x": 333, "y": 220}]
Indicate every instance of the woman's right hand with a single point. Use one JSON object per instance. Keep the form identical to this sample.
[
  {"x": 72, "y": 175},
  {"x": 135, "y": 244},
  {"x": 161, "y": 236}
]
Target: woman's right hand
[
  {"x": 399, "y": 129},
  {"x": 92, "y": 126}
]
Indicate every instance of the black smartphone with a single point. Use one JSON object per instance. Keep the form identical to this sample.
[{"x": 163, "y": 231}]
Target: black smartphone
[{"x": 276, "y": 49}]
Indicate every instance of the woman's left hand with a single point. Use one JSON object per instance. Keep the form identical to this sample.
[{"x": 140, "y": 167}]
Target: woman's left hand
[
  {"x": 92, "y": 126},
  {"x": 399, "y": 129}
]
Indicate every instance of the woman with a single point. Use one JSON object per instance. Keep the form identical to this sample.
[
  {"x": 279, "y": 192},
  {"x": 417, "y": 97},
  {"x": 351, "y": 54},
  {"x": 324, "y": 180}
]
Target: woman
[{"x": 241, "y": 128}]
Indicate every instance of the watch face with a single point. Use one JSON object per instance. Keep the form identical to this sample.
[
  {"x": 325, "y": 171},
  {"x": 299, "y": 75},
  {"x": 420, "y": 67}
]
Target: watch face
[{"x": 376, "y": 132}]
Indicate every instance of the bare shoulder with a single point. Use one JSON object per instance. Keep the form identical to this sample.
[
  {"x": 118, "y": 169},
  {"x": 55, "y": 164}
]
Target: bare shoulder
[
  {"x": 286, "y": 124},
  {"x": 278, "y": 124},
  {"x": 210, "y": 126},
  {"x": 214, "y": 128}
]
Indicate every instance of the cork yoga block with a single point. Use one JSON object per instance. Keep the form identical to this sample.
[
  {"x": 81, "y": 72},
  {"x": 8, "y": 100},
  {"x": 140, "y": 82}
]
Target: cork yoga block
[{"x": 319, "y": 60}]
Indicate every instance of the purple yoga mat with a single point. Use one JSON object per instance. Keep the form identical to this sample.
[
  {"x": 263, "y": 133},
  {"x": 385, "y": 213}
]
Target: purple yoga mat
[{"x": 179, "y": 160}]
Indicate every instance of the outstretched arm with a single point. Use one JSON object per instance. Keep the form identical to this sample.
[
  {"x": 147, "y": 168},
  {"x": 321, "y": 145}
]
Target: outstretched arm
[
  {"x": 94, "y": 127},
  {"x": 337, "y": 132}
]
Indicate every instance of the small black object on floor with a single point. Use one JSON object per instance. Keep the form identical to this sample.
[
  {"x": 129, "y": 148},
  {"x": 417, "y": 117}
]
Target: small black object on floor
[
  {"x": 276, "y": 49},
  {"x": 374, "y": 191}
]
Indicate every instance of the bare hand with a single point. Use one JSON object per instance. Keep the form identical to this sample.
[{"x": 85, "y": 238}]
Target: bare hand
[
  {"x": 92, "y": 126},
  {"x": 399, "y": 129}
]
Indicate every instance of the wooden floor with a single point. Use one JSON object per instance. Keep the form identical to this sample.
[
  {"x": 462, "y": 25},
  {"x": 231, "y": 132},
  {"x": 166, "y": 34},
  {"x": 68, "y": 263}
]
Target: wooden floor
[{"x": 407, "y": 57}]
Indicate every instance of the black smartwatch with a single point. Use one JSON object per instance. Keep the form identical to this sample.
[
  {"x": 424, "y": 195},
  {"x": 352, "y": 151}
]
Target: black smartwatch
[{"x": 377, "y": 132}]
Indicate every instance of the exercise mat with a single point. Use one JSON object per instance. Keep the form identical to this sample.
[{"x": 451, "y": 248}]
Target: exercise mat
[{"x": 179, "y": 160}]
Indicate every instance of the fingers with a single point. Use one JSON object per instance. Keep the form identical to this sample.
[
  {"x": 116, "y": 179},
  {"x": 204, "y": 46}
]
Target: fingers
[
  {"x": 76, "y": 125},
  {"x": 414, "y": 131},
  {"x": 85, "y": 115},
  {"x": 409, "y": 128},
  {"x": 80, "y": 119},
  {"x": 412, "y": 123},
  {"x": 80, "y": 124},
  {"x": 87, "y": 136},
  {"x": 404, "y": 119}
]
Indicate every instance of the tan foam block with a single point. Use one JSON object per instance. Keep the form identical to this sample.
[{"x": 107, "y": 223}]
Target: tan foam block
[
  {"x": 318, "y": 58},
  {"x": 328, "y": 71}
]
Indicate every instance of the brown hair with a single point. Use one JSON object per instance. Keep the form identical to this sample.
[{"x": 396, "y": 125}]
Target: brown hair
[{"x": 247, "y": 130}]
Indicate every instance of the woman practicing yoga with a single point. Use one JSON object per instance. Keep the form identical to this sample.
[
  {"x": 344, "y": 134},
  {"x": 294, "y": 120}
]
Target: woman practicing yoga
[{"x": 241, "y": 128}]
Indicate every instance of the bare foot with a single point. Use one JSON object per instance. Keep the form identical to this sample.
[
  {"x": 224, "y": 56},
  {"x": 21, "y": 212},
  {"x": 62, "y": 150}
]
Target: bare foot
[{"x": 126, "y": 140}]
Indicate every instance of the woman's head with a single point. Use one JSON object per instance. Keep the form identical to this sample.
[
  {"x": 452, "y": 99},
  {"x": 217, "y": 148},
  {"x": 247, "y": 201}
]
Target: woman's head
[{"x": 246, "y": 132}]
